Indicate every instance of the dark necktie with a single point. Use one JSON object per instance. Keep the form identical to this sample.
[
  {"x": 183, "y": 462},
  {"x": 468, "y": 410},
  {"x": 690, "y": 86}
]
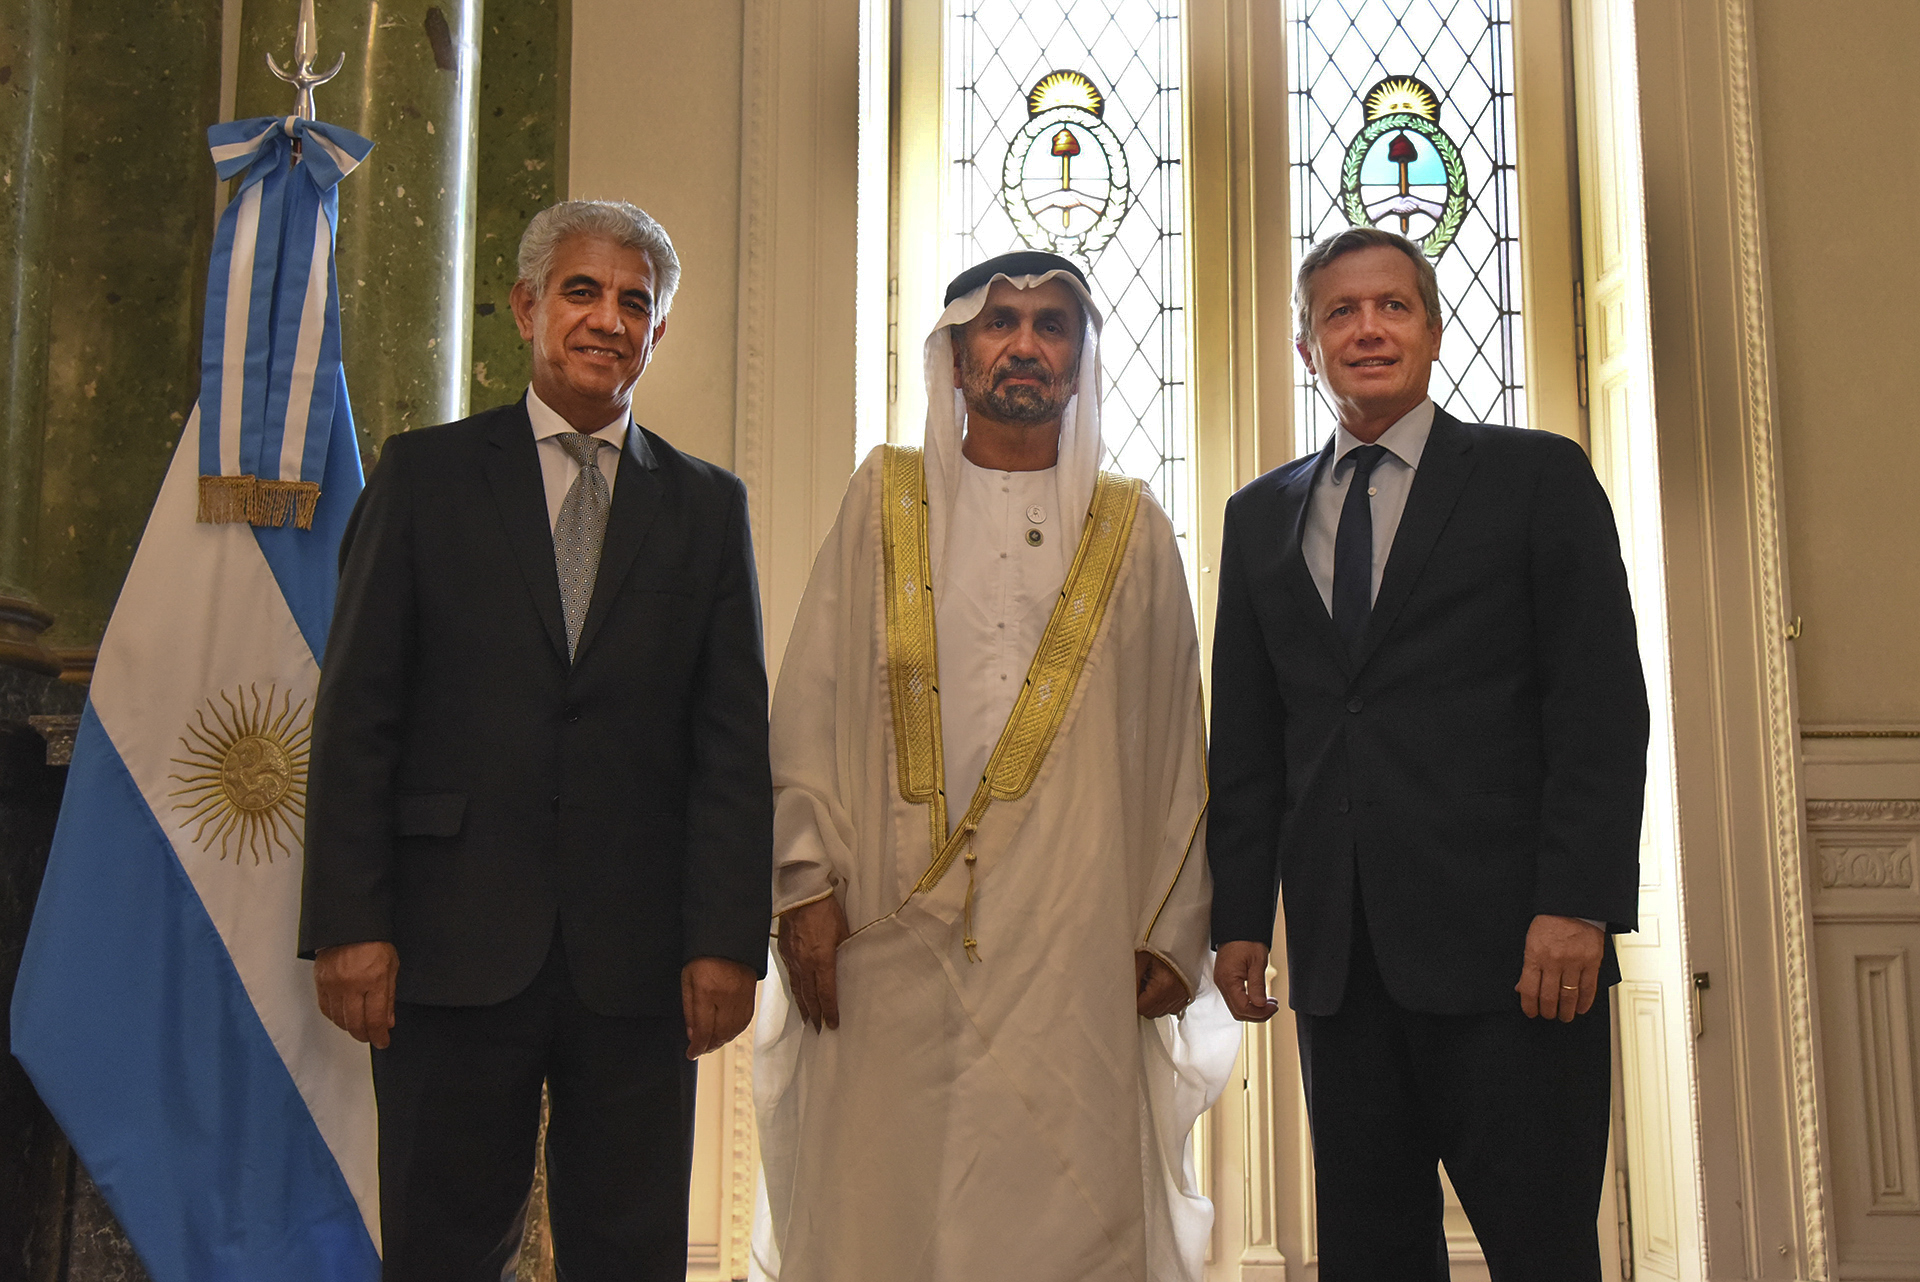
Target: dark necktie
[{"x": 1353, "y": 548}]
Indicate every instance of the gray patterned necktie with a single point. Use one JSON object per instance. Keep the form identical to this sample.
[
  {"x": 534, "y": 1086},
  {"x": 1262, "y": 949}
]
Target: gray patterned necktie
[{"x": 579, "y": 532}]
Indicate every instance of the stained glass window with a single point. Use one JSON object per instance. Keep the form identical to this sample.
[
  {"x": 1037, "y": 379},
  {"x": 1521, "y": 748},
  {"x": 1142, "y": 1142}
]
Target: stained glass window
[
  {"x": 1403, "y": 117},
  {"x": 1064, "y": 133}
]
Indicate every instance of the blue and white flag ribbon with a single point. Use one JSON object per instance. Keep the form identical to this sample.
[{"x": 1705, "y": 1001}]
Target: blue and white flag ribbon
[
  {"x": 160, "y": 1008},
  {"x": 273, "y": 320}
]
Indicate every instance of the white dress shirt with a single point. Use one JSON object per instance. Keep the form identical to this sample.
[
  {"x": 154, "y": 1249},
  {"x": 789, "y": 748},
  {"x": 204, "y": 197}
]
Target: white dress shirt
[
  {"x": 557, "y": 468},
  {"x": 1405, "y": 441},
  {"x": 992, "y": 610}
]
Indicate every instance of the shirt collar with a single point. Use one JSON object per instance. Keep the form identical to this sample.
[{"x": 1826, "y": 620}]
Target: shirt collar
[
  {"x": 547, "y": 422},
  {"x": 1406, "y": 440}
]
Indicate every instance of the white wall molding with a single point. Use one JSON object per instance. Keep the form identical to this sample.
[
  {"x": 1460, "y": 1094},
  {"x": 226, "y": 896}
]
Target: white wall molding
[
  {"x": 1738, "y": 749},
  {"x": 759, "y": 90},
  {"x": 1794, "y": 920},
  {"x": 1860, "y": 767},
  {"x": 1866, "y": 911},
  {"x": 794, "y": 393}
]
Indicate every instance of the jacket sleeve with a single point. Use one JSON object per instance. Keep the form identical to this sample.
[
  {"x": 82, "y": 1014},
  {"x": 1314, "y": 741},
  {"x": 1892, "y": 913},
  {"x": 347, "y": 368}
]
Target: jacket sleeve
[
  {"x": 347, "y": 882},
  {"x": 1594, "y": 717},
  {"x": 725, "y": 908},
  {"x": 1247, "y": 757}
]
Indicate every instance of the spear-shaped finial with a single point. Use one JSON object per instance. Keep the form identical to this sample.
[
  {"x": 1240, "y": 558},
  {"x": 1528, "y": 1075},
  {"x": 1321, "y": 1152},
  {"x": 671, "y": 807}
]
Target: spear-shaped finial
[{"x": 304, "y": 79}]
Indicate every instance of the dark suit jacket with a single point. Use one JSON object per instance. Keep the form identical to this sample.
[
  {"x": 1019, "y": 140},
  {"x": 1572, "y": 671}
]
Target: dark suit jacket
[
  {"x": 1479, "y": 758},
  {"x": 469, "y": 787}
]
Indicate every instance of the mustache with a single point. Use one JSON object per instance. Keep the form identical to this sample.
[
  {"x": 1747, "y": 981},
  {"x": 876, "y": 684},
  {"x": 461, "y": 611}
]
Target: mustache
[{"x": 1020, "y": 367}]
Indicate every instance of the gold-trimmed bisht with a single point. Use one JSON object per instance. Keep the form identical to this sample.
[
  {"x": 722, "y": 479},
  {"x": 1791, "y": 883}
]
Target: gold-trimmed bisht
[{"x": 913, "y": 664}]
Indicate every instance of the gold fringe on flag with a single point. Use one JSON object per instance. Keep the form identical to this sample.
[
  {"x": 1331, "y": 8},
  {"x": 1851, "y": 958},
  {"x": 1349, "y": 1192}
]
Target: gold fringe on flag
[
  {"x": 275, "y": 501},
  {"x": 306, "y": 503},
  {"x": 226, "y": 500},
  {"x": 232, "y": 500}
]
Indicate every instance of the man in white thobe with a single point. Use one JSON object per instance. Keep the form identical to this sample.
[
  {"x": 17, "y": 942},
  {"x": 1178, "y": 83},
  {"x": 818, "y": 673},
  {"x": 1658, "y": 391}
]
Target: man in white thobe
[{"x": 989, "y": 761}]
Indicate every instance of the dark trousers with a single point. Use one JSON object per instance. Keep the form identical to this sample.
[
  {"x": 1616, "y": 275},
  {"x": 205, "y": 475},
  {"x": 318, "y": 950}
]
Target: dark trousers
[
  {"x": 1516, "y": 1108},
  {"x": 459, "y": 1099}
]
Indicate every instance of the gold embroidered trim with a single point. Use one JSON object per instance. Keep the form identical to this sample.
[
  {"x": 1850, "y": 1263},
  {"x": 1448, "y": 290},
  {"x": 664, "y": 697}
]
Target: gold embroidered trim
[
  {"x": 1188, "y": 854},
  {"x": 1055, "y": 671},
  {"x": 913, "y": 662}
]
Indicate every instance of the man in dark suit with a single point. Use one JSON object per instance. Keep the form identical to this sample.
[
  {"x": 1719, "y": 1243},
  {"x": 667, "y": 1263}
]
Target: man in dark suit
[
  {"x": 539, "y": 833},
  {"x": 1429, "y": 730}
]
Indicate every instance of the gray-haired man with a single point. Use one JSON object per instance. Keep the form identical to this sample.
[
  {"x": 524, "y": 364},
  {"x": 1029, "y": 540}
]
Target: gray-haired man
[{"x": 539, "y": 820}]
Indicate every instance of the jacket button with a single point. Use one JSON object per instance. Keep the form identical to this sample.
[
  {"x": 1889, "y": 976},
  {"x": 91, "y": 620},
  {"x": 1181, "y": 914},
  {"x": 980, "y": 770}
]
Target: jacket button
[
  {"x": 554, "y": 801},
  {"x": 571, "y": 712},
  {"x": 1355, "y": 704},
  {"x": 1345, "y": 805}
]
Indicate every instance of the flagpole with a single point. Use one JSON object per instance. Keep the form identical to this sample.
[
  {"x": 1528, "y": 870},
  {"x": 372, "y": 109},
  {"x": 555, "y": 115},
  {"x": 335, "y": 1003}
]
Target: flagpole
[{"x": 303, "y": 78}]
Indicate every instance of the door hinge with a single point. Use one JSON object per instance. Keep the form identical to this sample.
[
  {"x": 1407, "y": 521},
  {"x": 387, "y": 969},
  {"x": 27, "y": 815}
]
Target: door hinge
[{"x": 1580, "y": 339}]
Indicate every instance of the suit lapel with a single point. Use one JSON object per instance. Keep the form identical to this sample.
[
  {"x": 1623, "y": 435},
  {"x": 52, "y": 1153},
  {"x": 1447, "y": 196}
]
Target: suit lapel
[
  {"x": 1445, "y": 465},
  {"x": 1295, "y": 497},
  {"x": 513, "y": 474},
  {"x": 636, "y": 502}
]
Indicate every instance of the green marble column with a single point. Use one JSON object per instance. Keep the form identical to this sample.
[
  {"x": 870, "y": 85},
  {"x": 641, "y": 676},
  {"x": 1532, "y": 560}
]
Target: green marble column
[
  {"x": 524, "y": 101},
  {"x": 126, "y": 285},
  {"x": 31, "y": 67},
  {"x": 405, "y": 256}
]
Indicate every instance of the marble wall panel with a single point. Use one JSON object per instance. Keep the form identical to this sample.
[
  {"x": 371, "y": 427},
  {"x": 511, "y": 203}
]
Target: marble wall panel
[
  {"x": 128, "y": 261},
  {"x": 522, "y": 168}
]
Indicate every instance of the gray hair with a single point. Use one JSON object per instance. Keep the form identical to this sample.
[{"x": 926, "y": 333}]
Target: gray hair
[
  {"x": 1346, "y": 242},
  {"x": 616, "y": 220}
]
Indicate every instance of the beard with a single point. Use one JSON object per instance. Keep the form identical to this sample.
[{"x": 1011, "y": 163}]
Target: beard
[{"x": 986, "y": 392}]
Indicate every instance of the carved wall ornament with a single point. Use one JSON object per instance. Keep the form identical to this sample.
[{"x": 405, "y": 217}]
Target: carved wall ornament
[
  {"x": 1857, "y": 867},
  {"x": 743, "y": 1157}
]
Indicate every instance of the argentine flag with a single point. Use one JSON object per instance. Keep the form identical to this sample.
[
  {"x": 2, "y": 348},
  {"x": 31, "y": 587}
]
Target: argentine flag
[{"x": 160, "y": 1009}]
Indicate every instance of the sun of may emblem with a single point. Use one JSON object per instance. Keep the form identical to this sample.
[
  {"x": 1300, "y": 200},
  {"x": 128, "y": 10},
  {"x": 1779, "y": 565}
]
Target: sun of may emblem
[
  {"x": 1402, "y": 172},
  {"x": 1065, "y": 180},
  {"x": 243, "y": 784}
]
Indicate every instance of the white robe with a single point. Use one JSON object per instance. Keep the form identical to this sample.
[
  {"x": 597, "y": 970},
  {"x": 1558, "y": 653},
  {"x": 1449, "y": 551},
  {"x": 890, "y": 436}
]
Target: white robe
[
  {"x": 999, "y": 590},
  {"x": 1010, "y": 1118}
]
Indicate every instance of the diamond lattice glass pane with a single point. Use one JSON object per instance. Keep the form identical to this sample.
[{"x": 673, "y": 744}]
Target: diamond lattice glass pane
[
  {"x": 1064, "y": 133},
  {"x": 1403, "y": 116}
]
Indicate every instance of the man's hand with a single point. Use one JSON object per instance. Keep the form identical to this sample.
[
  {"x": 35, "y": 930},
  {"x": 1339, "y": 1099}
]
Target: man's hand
[
  {"x": 810, "y": 937},
  {"x": 355, "y": 986},
  {"x": 1562, "y": 969},
  {"x": 1157, "y": 990},
  {"x": 1240, "y": 970},
  {"x": 717, "y": 996}
]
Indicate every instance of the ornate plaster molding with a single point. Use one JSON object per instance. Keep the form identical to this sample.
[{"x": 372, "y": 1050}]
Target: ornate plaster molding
[
  {"x": 759, "y": 99},
  {"x": 743, "y": 1154},
  {"x": 1782, "y": 738},
  {"x": 1866, "y": 867},
  {"x": 1858, "y": 732},
  {"x": 1832, "y": 814}
]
